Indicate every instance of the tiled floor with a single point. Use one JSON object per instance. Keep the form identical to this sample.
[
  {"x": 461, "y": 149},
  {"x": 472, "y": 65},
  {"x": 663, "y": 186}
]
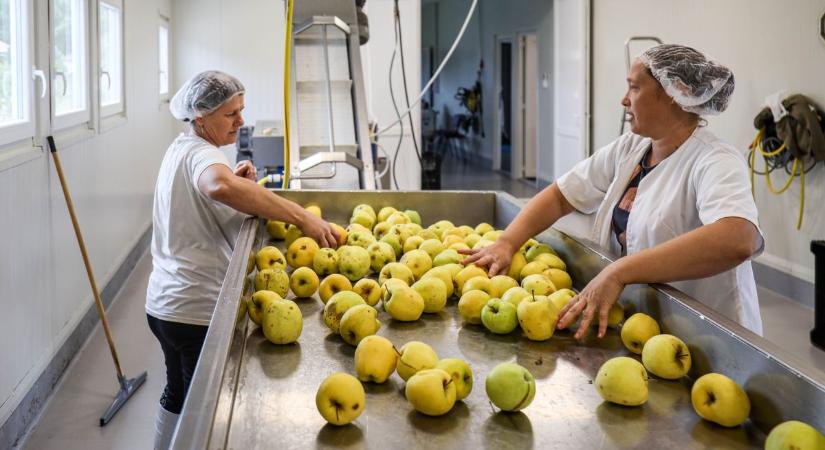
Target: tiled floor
[
  {"x": 70, "y": 419},
  {"x": 460, "y": 176}
]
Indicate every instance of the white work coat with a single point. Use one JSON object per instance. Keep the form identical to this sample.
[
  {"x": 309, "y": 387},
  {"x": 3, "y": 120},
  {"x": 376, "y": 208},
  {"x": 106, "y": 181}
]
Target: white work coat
[{"x": 703, "y": 181}]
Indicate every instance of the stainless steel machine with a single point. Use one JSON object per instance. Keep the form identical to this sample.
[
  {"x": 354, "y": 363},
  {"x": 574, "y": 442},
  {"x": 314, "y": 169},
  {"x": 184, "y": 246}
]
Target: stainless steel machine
[{"x": 247, "y": 393}]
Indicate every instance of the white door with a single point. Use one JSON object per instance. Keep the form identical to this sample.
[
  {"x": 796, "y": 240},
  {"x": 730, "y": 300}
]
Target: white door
[
  {"x": 525, "y": 140},
  {"x": 571, "y": 88}
]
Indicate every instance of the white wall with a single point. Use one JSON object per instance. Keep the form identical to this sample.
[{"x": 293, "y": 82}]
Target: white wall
[
  {"x": 491, "y": 19},
  {"x": 769, "y": 45},
  {"x": 44, "y": 291},
  {"x": 246, "y": 39}
]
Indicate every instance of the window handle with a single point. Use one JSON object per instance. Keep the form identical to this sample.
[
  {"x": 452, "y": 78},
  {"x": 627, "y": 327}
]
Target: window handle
[
  {"x": 62, "y": 76},
  {"x": 108, "y": 79},
  {"x": 39, "y": 74}
]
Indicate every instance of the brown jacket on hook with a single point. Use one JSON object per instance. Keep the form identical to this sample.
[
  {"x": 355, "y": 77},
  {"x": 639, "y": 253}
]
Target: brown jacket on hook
[{"x": 802, "y": 130}]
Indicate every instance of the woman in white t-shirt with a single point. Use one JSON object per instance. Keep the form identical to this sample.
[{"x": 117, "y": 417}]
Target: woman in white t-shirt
[
  {"x": 669, "y": 196},
  {"x": 200, "y": 202}
]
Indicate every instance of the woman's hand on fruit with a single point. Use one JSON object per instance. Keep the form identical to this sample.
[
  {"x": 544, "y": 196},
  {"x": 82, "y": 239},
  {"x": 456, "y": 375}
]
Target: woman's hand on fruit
[
  {"x": 595, "y": 300},
  {"x": 496, "y": 257},
  {"x": 320, "y": 230}
]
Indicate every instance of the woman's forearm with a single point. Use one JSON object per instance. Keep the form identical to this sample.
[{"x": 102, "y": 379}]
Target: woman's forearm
[
  {"x": 703, "y": 252},
  {"x": 538, "y": 214}
]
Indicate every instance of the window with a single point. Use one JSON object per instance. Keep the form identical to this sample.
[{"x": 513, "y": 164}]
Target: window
[
  {"x": 163, "y": 58},
  {"x": 69, "y": 63},
  {"x": 15, "y": 72},
  {"x": 111, "y": 57}
]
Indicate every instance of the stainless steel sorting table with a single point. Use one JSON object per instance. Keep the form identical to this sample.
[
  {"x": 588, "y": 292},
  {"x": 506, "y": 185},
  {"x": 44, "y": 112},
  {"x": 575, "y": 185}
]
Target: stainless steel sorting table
[{"x": 247, "y": 393}]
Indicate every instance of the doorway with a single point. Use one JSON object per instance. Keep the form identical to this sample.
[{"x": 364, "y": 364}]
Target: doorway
[
  {"x": 505, "y": 102},
  {"x": 525, "y": 124}
]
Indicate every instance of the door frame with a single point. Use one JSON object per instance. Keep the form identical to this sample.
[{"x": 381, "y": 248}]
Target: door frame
[
  {"x": 500, "y": 39},
  {"x": 517, "y": 164}
]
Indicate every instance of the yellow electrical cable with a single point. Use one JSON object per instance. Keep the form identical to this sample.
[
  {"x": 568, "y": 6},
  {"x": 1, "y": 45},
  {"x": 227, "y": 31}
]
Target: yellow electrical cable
[
  {"x": 787, "y": 182},
  {"x": 801, "y": 197},
  {"x": 756, "y": 146},
  {"x": 287, "y": 65}
]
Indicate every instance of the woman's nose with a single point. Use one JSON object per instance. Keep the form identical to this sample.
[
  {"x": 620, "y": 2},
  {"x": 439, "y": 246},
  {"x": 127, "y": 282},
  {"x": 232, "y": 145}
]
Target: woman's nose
[{"x": 625, "y": 101}]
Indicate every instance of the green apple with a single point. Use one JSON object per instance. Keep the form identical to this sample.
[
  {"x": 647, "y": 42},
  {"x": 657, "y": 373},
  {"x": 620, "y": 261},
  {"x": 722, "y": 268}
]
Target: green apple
[
  {"x": 515, "y": 295},
  {"x": 361, "y": 239},
  {"x": 282, "y": 321},
  {"x": 499, "y": 284},
  {"x": 404, "y": 304},
  {"x": 462, "y": 376},
  {"x": 551, "y": 261},
  {"x": 637, "y": 330},
  {"x": 536, "y": 250},
  {"x": 396, "y": 270},
  {"x": 332, "y": 285},
  {"x": 666, "y": 356},
  {"x": 303, "y": 282},
  {"x": 375, "y": 359},
  {"x": 270, "y": 257},
  {"x": 561, "y": 297},
  {"x": 499, "y": 316},
  {"x": 447, "y": 256},
  {"x": 292, "y": 234},
  {"x": 359, "y": 322},
  {"x": 418, "y": 261},
  {"x": 340, "y": 398},
  {"x": 394, "y": 241},
  {"x": 483, "y": 228},
  {"x": 560, "y": 278},
  {"x": 413, "y": 357},
  {"x": 718, "y": 399},
  {"x": 413, "y": 215},
  {"x": 325, "y": 262},
  {"x": 369, "y": 290},
  {"x": 337, "y": 305},
  {"x": 479, "y": 283},
  {"x": 517, "y": 263},
  {"x": 431, "y": 392},
  {"x": 381, "y": 254},
  {"x": 465, "y": 274},
  {"x": 363, "y": 219},
  {"x": 538, "y": 284},
  {"x": 276, "y": 229},
  {"x": 794, "y": 435},
  {"x": 470, "y": 305},
  {"x": 444, "y": 275},
  {"x": 537, "y": 316},
  {"x": 532, "y": 268},
  {"x": 434, "y": 293},
  {"x": 257, "y": 303},
  {"x": 623, "y": 381},
  {"x": 380, "y": 230},
  {"x": 301, "y": 252},
  {"x": 275, "y": 280},
  {"x": 353, "y": 262},
  {"x": 412, "y": 243},
  {"x": 510, "y": 386},
  {"x": 385, "y": 212}
]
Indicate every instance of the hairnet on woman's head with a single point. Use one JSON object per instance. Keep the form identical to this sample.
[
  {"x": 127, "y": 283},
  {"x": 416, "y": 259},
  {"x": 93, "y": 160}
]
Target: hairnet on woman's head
[
  {"x": 697, "y": 83},
  {"x": 204, "y": 93}
]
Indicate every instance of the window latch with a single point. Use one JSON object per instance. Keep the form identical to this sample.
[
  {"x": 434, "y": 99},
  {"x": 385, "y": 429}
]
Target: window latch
[{"x": 38, "y": 74}]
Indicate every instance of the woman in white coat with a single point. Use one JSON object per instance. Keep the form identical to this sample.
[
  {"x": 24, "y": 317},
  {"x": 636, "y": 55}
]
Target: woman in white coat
[{"x": 669, "y": 196}]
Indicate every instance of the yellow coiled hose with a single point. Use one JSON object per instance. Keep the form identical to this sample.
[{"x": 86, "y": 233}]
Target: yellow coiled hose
[{"x": 756, "y": 146}]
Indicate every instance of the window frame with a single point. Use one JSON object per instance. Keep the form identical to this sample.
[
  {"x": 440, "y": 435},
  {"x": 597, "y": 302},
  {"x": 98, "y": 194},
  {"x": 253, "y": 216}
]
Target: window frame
[
  {"x": 81, "y": 117},
  {"x": 164, "y": 23},
  {"x": 24, "y": 128},
  {"x": 117, "y": 108}
]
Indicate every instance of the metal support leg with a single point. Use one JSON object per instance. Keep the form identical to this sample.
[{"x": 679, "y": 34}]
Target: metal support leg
[{"x": 818, "y": 333}]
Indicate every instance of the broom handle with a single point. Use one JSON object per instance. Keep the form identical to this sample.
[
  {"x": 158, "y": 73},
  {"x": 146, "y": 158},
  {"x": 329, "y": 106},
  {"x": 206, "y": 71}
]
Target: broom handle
[{"x": 98, "y": 302}]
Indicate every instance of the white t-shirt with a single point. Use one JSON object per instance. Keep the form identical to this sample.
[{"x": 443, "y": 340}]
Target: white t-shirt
[
  {"x": 192, "y": 236},
  {"x": 703, "y": 181}
]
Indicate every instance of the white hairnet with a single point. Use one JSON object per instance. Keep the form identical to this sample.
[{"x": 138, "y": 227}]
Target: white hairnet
[
  {"x": 697, "y": 83},
  {"x": 204, "y": 93}
]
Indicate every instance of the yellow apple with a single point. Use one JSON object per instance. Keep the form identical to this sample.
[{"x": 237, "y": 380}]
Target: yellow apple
[
  {"x": 535, "y": 250},
  {"x": 353, "y": 262},
  {"x": 483, "y": 228},
  {"x": 637, "y": 330},
  {"x": 292, "y": 234},
  {"x": 270, "y": 257},
  {"x": 499, "y": 284},
  {"x": 301, "y": 252},
  {"x": 666, "y": 356},
  {"x": 561, "y": 297},
  {"x": 623, "y": 381},
  {"x": 431, "y": 392},
  {"x": 465, "y": 274},
  {"x": 314, "y": 209},
  {"x": 418, "y": 261},
  {"x": 361, "y": 239},
  {"x": 462, "y": 376},
  {"x": 515, "y": 295},
  {"x": 404, "y": 304},
  {"x": 479, "y": 283},
  {"x": 434, "y": 293},
  {"x": 340, "y": 398},
  {"x": 517, "y": 263},
  {"x": 275, "y": 280},
  {"x": 444, "y": 275},
  {"x": 359, "y": 322},
  {"x": 363, "y": 219},
  {"x": 332, "y": 285},
  {"x": 343, "y": 235},
  {"x": 470, "y": 305},
  {"x": 718, "y": 399},
  {"x": 537, "y": 316},
  {"x": 257, "y": 303},
  {"x": 282, "y": 321},
  {"x": 337, "y": 305},
  {"x": 380, "y": 230},
  {"x": 447, "y": 256},
  {"x": 538, "y": 284},
  {"x": 375, "y": 359},
  {"x": 532, "y": 268},
  {"x": 396, "y": 270},
  {"x": 794, "y": 435},
  {"x": 304, "y": 282},
  {"x": 472, "y": 239},
  {"x": 551, "y": 261},
  {"x": 413, "y": 357},
  {"x": 433, "y": 247},
  {"x": 560, "y": 278},
  {"x": 369, "y": 290},
  {"x": 325, "y": 262},
  {"x": 412, "y": 243},
  {"x": 276, "y": 229},
  {"x": 428, "y": 234},
  {"x": 492, "y": 235},
  {"x": 452, "y": 239},
  {"x": 363, "y": 207},
  {"x": 381, "y": 254},
  {"x": 398, "y": 218}
]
